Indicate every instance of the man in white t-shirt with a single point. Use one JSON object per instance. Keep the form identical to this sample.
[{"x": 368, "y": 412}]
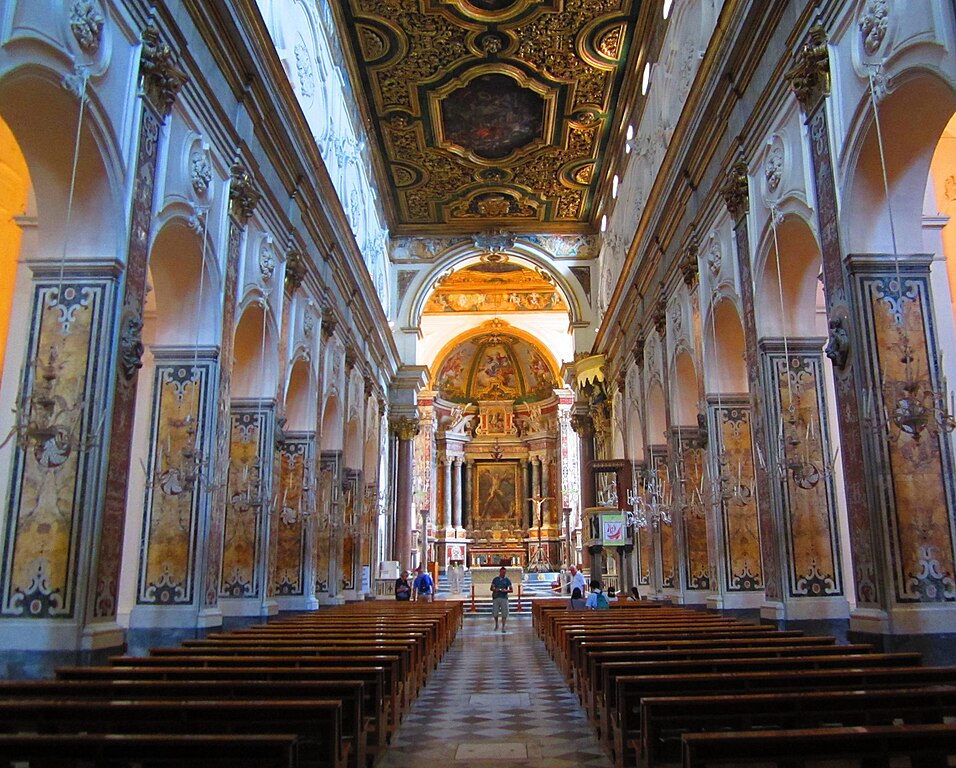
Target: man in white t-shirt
[{"x": 577, "y": 580}]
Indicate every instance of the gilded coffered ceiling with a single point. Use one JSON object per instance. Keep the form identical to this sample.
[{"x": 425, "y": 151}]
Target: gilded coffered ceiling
[{"x": 490, "y": 113}]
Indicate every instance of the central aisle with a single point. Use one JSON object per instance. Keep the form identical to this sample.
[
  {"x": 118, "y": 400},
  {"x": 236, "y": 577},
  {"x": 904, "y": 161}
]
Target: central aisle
[{"x": 497, "y": 700}]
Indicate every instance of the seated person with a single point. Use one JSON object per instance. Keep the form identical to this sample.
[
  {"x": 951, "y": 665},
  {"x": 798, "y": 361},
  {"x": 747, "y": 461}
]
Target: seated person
[
  {"x": 635, "y": 594},
  {"x": 577, "y": 600},
  {"x": 611, "y": 594},
  {"x": 597, "y": 600},
  {"x": 403, "y": 590}
]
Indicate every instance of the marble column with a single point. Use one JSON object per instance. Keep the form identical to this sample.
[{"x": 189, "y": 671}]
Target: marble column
[
  {"x": 405, "y": 430},
  {"x": 456, "y": 492},
  {"x": 736, "y": 193},
  {"x": 584, "y": 426},
  {"x": 243, "y": 199},
  {"x": 469, "y": 488},
  {"x": 447, "y": 491},
  {"x": 161, "y": 81}
]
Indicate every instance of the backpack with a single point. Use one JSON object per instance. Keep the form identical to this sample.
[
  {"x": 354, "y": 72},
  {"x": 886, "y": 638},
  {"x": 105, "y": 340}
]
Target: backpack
[{"x": 601, "y": 603}]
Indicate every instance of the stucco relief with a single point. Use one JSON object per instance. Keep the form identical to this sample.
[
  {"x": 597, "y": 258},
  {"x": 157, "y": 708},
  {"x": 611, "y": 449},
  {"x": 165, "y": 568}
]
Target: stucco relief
[
  {"x": 873, "y": 25},
  {"x": 86, "y": 23}
]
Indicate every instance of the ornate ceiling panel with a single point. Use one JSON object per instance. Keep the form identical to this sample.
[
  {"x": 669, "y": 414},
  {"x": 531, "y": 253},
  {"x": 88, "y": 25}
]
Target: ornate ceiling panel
[
  {"x": 495, "y": 287},
  {"x": 490, "y": 113}
]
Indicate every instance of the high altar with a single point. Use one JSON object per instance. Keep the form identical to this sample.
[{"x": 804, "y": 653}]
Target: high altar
[{"x": 499, "y": 448}]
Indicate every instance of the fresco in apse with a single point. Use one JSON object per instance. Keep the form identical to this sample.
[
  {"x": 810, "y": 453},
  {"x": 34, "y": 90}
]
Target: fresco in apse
[{"x": 495, "y": 366}]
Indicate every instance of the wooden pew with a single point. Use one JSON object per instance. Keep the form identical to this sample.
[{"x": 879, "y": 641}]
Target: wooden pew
[
  {"x": 410, "y": 673},
  {"x": 582, "y": 647},
  {"x": 357, "y": 726},
  {"x": 926, "y": 746},
  {"x": 665, "y": 719},
  {"x": 149, "y": 751},
  {"x": 372, "y": 676},
  {"x": 317, "y": 724},
  {"x": 280, "y": 664},
  {"x": 631, "y": 690},
  {"x": 594, "y": 680}
]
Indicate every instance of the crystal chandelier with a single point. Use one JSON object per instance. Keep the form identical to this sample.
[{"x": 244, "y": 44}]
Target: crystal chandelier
[{"x": 651, "y": 505}]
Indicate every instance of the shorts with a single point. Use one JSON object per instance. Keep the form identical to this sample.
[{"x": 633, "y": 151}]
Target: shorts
[{"x": 500, "y": 606}]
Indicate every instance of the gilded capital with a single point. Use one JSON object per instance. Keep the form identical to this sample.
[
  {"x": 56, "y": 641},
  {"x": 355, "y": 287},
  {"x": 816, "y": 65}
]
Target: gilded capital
[
  {"x": 810, "y": 75},
  {"x": 736, "y": 190},
  {"x": 162, "y": 79},
  {"x": 689, "y": 268},
  {"x": 639, "y": 351},
  {"x": 660, "y": 317},
  {"x": 294, "y": 270},
  {"x": 243, "y": 195},
  {"x": 404, "y": 427},
  {"x": 583, "y": 425},
  {"x": 328, "y": 323}
]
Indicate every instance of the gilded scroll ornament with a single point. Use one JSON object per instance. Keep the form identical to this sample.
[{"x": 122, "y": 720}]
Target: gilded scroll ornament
[
  {"x": 162, "y": 79},
  {"x": 736, "y": 190},
  {"x": 810, "y": 75}
]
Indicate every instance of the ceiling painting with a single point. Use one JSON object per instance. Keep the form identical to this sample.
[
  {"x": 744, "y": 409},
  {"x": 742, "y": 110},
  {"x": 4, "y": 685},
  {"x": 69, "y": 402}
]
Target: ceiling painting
[
  {"x": 495, "y": 366},
  {"x": 490, "y": 113},
  {"x": 495, "y": 287}
]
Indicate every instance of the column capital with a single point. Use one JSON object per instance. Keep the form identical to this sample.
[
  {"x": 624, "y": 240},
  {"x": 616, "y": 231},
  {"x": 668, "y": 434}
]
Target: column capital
[
  {"x": 736, "y": 190},
  {"x": 405, "y": 428},
  {"x": 810, "y": 75},
  {"x": 162, "y": 79},
  {"x": 582, "y": 424},
  {"x": 689, "y": 268},
  {"x": 295, "y": 269},
  {"x": 243, "y": 195}
]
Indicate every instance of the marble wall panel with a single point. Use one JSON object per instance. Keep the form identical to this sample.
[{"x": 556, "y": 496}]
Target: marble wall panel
[
  {"x": 53, "y": 466},
  {"x": 293, "y": 506},
  {"x": 175, "y": 497}
]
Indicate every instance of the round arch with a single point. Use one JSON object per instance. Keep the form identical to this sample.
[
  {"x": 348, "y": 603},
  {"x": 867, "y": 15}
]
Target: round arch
[
  {"x": 802, "y": 291},
  {"x": 524, "y": 254},
  {"x": 724, "y": 364},
  {"x": 300, "y": 397},
  {"x": 255, "y": 372},
  {"x": 684, "y": 390},
  {"x": 913, "y": 116}
]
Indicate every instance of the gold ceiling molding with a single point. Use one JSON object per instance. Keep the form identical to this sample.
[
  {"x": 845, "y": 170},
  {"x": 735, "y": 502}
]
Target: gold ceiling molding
[{"x": 490, "y": 113}]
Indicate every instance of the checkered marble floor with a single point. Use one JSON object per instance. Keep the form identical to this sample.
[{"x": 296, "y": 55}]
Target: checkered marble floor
[{"x": 496, "y": 700}]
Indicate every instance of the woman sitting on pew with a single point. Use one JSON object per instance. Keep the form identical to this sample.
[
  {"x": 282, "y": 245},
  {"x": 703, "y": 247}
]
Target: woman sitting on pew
[{"x": 577, "y": 600}]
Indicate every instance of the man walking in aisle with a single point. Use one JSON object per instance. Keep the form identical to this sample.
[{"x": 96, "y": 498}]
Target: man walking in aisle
[{"x": 500, "y": 589}]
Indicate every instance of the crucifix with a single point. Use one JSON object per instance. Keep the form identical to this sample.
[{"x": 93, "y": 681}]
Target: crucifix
[{"x": 537, "y": 563}]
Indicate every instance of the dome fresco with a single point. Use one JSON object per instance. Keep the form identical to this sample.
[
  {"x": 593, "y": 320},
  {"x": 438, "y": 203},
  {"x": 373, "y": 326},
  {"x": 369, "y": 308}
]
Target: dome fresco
[{"x": 495, "y": 366}]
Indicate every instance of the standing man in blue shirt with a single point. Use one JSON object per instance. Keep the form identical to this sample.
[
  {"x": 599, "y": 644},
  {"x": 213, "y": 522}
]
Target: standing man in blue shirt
[
  {"x": 423, "y": 585},
  {"x": 500, "y": 589}
]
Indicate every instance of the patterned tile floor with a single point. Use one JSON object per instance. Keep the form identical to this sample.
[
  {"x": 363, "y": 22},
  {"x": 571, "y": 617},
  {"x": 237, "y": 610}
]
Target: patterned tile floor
[{"x": 496, "y": 700}]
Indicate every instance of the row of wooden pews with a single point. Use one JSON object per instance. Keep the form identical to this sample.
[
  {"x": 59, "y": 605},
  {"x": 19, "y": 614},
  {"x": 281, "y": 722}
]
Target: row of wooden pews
[
  {"x": 318, "y": 690},
  {"x": 666, "y": 685}
]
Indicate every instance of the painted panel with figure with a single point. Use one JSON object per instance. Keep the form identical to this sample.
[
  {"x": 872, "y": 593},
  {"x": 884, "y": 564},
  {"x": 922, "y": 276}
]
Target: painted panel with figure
[{"x": 496, "y": 502}]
